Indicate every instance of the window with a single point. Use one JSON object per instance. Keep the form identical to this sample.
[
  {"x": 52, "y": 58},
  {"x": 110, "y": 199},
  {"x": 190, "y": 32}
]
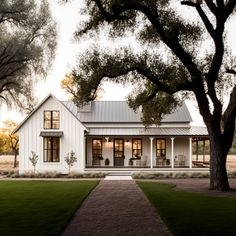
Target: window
[
  {"x": 136, "y": 148},
  {"x": 51, "y": 149},
  {"x": 161, "y": 148},
  {"x": 97, "y": 148},
  {"x": 51, "y": 120}
]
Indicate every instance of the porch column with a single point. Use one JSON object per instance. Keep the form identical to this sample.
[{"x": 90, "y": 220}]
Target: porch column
[
  {"x": 151, "y": 152},
  {"x": 190, "y": 152},
  {"x": 172, "y": 152}
]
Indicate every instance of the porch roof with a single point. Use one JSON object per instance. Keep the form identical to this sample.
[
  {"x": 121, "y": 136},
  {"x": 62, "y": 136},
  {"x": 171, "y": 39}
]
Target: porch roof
[
  {"x": 51, "y": 133},
  {"x": 191, "y": 131}
]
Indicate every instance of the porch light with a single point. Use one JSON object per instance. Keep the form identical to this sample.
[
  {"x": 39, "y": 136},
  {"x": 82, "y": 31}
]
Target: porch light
[
  {"x": 107, "y": 139},
  {"x": 127, "y": 141}
]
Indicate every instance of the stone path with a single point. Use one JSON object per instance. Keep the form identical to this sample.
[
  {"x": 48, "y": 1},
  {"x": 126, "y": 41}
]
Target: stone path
[{"x": 116, "y": 208}]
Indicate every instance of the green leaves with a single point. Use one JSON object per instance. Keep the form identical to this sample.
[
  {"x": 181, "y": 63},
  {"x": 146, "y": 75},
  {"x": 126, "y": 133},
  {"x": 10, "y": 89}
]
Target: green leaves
[{"x": 27, "y": 46}]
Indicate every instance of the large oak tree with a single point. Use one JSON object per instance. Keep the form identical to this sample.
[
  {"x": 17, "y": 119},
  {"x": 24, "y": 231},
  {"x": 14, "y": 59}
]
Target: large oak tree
[
  {"x": 27, "y": 45},
  {"x": 172, "y": 60}
]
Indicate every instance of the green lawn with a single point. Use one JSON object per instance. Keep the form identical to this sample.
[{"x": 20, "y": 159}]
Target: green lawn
[
  {"x": 192, "y": 213},
  {"x": 39, "y": 207}
]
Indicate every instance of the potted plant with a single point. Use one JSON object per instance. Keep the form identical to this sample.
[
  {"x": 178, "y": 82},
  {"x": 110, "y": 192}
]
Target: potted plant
[
  {"x": 168, "y": 162},
  {"x": 107, "y": 162},
  {"x": 131, "y": 161}
]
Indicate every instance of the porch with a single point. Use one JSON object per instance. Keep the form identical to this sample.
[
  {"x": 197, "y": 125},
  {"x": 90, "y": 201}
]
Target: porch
[{"x": 144, "y": 153}]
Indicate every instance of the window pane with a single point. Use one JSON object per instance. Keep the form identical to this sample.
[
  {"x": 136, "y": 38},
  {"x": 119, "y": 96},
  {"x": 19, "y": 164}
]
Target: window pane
[
  {"x": 97, "y": 147},
  {"x": 47, "y": 119},
  {"x": 161, "y": 148},
  {"x": 55, "y": 119},
  {"x": 51, "y": 149},
  {"x": 136, "y": 148},
  {"x": 51, "y": 119}
]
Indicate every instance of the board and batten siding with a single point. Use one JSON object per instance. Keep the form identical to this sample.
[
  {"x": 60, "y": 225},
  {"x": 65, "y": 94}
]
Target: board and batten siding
[{"x": 72, "y": 139}]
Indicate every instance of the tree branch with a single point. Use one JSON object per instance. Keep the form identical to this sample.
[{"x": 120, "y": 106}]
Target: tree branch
[
  {"x": 229, "y": 7},
  {"x": 205, "y": 20},
  {"x": 211, "y": 6},
  {"x": 230, "y": 71},
  {"x": 109, "y": 17},
  {"x": 188, "y": 3}
]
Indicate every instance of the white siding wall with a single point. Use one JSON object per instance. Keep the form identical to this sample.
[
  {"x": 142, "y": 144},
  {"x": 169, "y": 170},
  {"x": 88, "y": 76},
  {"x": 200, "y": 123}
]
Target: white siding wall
[{"x": 30, "y": 139}]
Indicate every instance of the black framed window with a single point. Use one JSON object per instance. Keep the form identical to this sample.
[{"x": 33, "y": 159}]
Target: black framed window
[
  {"x": 161, "y": 147},
  {"x": 97, "y": 148},
  {"x": 51, "y": 149},
  {"x": 51, "y": 119},
  {"x": 136, "y": 148}
]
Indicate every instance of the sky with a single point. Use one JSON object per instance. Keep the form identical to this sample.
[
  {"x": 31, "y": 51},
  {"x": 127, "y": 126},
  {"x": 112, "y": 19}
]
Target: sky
[{"x": 67, "y": 16}]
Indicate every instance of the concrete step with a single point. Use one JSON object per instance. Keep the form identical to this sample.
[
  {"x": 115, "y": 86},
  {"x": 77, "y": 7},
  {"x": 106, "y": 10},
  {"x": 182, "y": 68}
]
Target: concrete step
[{"x": 119, "y": 174}]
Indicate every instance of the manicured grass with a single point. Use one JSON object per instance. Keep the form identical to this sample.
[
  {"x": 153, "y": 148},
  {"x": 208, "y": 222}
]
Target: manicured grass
[
  {"x": 192, "y": 213},
  {"x": 39, "y": 207}
]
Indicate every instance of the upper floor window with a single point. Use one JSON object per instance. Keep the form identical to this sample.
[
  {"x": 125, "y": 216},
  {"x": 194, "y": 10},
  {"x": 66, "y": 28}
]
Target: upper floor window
[
  {"x": 51, "y": 120},
  {"x": 161, "y": 148},
  {"x": 137, "y": 148}
]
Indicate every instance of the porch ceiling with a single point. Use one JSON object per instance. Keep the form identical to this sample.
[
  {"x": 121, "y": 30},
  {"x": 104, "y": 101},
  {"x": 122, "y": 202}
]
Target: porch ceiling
[{"x": 192, "y": 131}]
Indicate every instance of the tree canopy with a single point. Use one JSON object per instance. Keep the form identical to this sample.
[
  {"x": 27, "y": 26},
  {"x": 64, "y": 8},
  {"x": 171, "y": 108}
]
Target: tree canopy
[
  {"x": 9, "y": 143},
  {"x": 27, "y": 45},
  {"x": 176, "y": 57}
]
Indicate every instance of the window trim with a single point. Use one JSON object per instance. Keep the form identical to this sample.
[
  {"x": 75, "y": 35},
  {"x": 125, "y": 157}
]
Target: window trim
[
  {"x": 44, "y": 149},
  {"x": 161, "y": 148},
  {"x": 137, "y": 149},
  {"x": 51, "y": 119}
]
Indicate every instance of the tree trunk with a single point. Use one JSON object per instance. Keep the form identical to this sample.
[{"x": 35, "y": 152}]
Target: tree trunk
[
  {"x": 218, "y": 173},
  {"x": 15, "y": 159}
]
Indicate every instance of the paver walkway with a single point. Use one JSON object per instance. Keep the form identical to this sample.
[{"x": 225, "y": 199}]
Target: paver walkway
[{"x": 116, "y": 207}]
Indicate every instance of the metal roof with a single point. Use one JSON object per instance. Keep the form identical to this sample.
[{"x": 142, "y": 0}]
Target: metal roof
[
  {"x": 51, "y": 133},
  {"x": 120, "y": 112},
  {"x": 191, "y": 131}
]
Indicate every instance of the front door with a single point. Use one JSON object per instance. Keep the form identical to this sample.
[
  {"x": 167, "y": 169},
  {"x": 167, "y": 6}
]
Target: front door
[{"x": 119, "y": 152}]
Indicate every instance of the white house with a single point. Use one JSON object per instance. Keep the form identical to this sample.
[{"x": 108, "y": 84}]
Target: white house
[{"x": 105, "y": 135}]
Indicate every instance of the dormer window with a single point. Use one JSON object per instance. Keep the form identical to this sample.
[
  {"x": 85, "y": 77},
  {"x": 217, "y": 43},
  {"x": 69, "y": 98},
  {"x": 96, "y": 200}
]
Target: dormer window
[{"x": 51, "y": 119}]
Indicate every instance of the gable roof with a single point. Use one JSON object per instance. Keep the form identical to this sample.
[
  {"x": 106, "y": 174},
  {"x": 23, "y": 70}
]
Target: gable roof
[
  {"x": 120, "y": 112},
  {"x": 37, "y": 107}
]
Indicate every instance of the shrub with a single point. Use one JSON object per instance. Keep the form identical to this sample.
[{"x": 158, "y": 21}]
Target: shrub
[
  {"x": 70, "y": 159},
  {"x": 33, "y": 159},
  {"x": 167, "y": 175}
]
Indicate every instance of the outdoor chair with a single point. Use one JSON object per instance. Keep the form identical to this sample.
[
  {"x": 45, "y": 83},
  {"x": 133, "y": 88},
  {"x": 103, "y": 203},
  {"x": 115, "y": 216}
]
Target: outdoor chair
[
  {"x": 179, "y": 160},
  {"x": 142, "y": 161},
  {"x": 160, "y": 161}
]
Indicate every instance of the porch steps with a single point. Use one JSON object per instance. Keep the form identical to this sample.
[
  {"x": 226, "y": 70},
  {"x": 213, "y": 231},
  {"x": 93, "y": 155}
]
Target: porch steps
[{"x": 118, "y": 176}]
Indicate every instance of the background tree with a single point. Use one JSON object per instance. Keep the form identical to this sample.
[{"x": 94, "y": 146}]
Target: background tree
[
  {"x": 172, "y": 59},
  {"x": 3, "y": 143},
  {"x": 9, "y": 141},
  {"x": 71, "y": 87},
  {"x": 27, "y": 45}
]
